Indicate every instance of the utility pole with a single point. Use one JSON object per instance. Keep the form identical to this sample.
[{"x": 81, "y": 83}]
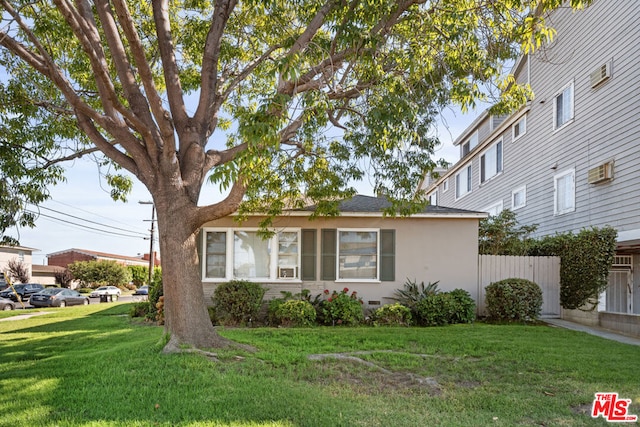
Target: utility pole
[{"x": 152, "y": 256}]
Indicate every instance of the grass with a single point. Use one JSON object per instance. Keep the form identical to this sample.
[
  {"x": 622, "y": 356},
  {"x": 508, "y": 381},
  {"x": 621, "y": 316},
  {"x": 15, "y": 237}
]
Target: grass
[{"x": 93, "y": 366}]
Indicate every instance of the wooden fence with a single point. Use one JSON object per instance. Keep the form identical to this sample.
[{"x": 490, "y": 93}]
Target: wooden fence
[{"x": 545, "y": 271}]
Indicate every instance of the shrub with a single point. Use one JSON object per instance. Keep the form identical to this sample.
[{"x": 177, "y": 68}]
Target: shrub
[
  {"x": 464, "y": 307},
  {"x": 434, "y": 310},
  {"x": 340, "y": 308},
  {"x": 238, "y": 301},
  {"x": 392, "y": 315},
  {"x": 513, "y": 300},
  {"x": 413, "y": 293},
  {"x": 141, "y": 309},
  {"x": 445, "y": 308},
  {"x": 296, "y": 313}
]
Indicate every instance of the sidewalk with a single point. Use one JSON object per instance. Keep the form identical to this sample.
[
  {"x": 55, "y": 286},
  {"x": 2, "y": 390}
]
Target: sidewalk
[
  {"x": 593, "y": 330},
  {"x": 24, "y": 316}
]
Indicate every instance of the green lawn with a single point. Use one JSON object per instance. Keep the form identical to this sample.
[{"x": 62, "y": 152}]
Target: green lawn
[{"x": 93, "y": 366}]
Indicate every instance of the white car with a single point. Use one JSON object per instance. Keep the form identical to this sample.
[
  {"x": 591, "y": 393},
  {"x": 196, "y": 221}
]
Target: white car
[{"x": 105, "y": 290}]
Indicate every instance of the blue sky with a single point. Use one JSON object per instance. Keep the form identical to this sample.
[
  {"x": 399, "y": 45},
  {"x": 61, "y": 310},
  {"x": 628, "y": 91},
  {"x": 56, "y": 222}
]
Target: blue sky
[{"x": 85, "y": 197}]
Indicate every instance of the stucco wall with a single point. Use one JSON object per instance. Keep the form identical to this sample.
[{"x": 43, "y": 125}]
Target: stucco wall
[
  {"x": 17, "y": 253},
  {"x": 427, "y": 249}
]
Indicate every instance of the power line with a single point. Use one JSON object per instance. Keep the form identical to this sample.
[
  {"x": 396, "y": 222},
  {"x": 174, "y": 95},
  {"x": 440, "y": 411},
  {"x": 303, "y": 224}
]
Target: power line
[
  {"x": 89, "y": 212},
  {"x": 84, "y": 226},
  {"x": 91, "y": 222}
]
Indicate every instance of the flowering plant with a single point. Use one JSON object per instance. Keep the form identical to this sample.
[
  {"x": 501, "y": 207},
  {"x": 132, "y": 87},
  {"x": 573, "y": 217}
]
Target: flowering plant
[{"x": 341, "y": 308}]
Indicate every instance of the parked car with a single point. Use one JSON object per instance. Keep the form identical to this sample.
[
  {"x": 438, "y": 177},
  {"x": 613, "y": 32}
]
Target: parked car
[
  {"x": 105, "y": 290},
  {"x": 58, "y": 297},
  {"x": 25, "y": 290},
  {"x": 142, "y": 290},
  {"x": 7, "y": 304}
]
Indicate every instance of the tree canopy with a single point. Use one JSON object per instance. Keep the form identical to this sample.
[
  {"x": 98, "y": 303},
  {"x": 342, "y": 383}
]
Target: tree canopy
[{"x": 308, "y": 95}]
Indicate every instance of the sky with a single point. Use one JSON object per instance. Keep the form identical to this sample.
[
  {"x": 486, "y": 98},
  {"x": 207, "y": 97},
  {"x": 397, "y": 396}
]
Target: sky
[{"x": 82, "y": 215}]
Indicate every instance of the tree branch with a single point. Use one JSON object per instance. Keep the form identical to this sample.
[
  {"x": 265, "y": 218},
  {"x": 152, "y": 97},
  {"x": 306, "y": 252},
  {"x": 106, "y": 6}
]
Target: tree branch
[{"x": 207, "y": 104}]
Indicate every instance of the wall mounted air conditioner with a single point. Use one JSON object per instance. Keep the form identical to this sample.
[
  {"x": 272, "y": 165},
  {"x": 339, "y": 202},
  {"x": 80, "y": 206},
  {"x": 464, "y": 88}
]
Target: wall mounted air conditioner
[
  {"x": 601, "y": 173},
  {"x": 600, "y": 74},
  {"x": 287, "y": 272}
]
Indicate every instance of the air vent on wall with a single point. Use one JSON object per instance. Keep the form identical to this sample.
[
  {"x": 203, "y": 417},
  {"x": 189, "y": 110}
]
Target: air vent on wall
[
  {"x": 600, "y": 74},
  {"x": 601, "y": 173}
]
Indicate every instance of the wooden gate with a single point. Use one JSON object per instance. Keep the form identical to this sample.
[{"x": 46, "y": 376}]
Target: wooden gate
[{"x": 545, "y": 271}]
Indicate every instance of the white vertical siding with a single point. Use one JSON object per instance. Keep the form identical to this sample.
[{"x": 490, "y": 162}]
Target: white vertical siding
[{"x": 545, "y": 271}]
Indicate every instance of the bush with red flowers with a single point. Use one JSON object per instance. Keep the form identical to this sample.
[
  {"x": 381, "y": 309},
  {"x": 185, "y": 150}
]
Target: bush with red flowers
[{"x": 341, "y": 308}]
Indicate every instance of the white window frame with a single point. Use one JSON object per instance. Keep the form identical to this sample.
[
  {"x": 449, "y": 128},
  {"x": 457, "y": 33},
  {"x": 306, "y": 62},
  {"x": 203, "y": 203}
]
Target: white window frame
[
  {"x": 474, "y": 137},
  {"x": 499, "y": 205},
  {"x": 522, "y": 190},
  {"x": 433, "y": 197},
  {"x": 445, "y": 185},
  {"x": 556, "y": 179},
  {"x": 469, "y": 171},
  {"x": 521, "y": 124},
  {"x": 229, "y": 255},
  {"x": 499, "y": 167},
  {"x": 570, "y": 104},
  {"x": 358, "y": 230}
]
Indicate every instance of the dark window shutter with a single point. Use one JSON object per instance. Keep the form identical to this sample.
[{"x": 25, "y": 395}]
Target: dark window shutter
[
  {"x": 199, "y": 239},
  {"x": 387, "y": 255},
  {"x": 308, "y": 255},
  {"x": 328, "y": 248}
]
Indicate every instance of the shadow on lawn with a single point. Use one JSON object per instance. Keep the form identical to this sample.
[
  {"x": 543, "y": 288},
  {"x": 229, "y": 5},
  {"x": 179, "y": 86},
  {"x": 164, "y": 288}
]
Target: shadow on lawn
[{"x": 101, "y": 368}]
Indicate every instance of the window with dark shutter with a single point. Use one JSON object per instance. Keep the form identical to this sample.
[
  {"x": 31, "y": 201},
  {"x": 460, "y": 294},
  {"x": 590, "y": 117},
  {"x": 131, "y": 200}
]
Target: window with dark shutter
[
  {"x": 387, "y": 255},
  {"x": 308, "y": 255},
  {"x": 328, "y": 257}
]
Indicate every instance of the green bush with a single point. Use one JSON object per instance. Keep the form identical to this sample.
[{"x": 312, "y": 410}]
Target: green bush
[
  {"x": 464, "y": 307},
  {"x": 296, "y": 313},
  {"x": 413, "y": 293},
  {"x": 513, "y": 300},
  {"x": 434, "y": 310},
  {"x": 445, "y": 308},
  {"x": 237, "y": 302},
  {"x": 392, "y": 315},
  {"x": 340, "y": 308},
  {"x": 141, "y": 309}
]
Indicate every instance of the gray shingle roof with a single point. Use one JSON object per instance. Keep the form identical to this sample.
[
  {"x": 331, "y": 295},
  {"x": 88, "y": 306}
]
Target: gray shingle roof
[{"x": 369, "y": 204}]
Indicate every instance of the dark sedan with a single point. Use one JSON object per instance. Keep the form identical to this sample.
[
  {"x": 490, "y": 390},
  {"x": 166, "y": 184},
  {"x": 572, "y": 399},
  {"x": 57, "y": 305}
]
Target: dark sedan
[
  {"x": 58, "y": 297},
  {"x": 24, "y": 290},
  {"x": 7, "y": 304}
]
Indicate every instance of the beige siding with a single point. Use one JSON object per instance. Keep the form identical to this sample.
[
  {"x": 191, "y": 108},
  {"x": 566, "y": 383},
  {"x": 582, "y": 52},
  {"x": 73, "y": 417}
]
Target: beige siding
[
  {"x": 427, "y": 249},
  {"x": 15, "y": 253}
]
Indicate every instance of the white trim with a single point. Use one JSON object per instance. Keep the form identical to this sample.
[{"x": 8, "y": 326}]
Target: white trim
[
  {"x": 556, "y": 177},
  {"x": 230, "y": 254},
  {"x": 468, "y": 168},
  {"x": 499, "y": 205},
  {"x": 522, "y": 189},
  {"x": 358, "y": 230},
  {"x": 522, "y": 120},
  {"x": 571, "y": 106},
  {"x": 483, "y": 153}
]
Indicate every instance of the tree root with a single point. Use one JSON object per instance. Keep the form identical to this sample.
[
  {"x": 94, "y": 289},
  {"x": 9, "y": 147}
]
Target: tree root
[{"x": 428, "y": 381}]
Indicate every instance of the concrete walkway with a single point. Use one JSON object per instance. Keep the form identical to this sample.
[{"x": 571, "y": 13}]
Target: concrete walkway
[
  {"x": 593, "y": 330},
  {"x": 24, "y": 316}
]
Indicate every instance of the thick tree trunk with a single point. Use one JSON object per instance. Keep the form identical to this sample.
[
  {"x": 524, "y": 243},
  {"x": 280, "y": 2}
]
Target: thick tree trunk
[{"x": 186, "y": 317}]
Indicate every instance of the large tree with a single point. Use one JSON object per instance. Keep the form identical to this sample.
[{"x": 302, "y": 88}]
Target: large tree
[{"x": 309, "y": 95}]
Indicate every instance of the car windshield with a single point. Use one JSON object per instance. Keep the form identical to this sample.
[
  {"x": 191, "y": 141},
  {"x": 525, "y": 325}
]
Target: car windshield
[
  {"x": 102, "y": 288},
  {"x": 50, "y": 291}
]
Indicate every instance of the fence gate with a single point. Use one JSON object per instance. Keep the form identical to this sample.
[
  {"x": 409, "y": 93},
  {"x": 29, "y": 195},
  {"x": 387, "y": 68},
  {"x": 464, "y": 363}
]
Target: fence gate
[{"x": 545, "y": 271}]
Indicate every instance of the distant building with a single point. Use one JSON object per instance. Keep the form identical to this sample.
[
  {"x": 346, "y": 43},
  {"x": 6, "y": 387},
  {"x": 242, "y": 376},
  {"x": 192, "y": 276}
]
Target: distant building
[
  {"x": 69, "y": 256},
  {"x": 19, "y": 253}
]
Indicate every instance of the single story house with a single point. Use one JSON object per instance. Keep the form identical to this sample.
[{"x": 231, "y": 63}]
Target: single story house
[
  {"x": 69, "y": 256},
  {"x": 45, "y": 274},
  {"x": 361, "y": 249}
]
